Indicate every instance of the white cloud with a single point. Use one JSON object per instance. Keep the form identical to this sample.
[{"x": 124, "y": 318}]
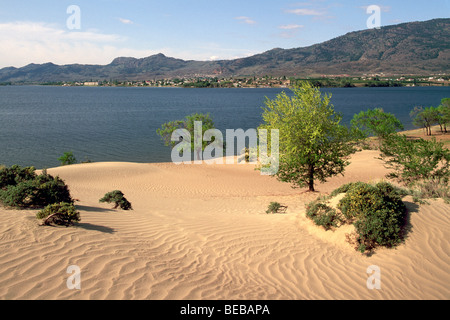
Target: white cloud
[
  {"x": 23, "y": 43},
  {"x": 246, "y": 20},
  {"x": 126, "y": 21},
  {"x": 306, "y": 12},
  {"x": 32, "y": 42},
  {"x": 291, "y": 27}
]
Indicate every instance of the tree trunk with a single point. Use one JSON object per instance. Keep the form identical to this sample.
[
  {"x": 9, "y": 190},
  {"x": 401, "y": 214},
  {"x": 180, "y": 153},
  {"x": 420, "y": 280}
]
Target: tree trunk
[{"x": 311, "y": 178}]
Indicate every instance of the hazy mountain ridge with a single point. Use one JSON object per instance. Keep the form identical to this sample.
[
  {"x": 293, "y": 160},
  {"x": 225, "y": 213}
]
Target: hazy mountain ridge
[{"x": 408, "y": 48}]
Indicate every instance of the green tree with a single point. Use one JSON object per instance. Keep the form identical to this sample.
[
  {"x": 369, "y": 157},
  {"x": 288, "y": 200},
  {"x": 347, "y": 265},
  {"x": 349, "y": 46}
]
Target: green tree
[
  {"x": 188, "y": 123},
  {"x": 414, "y": 160},
  {"x": 67, "y": 159},
  {"x": 377, "y": 122},
  {"x": 444, "y": 110},
  {"x": 313, "y": 144},
  {"x": 425, "y": 118}
]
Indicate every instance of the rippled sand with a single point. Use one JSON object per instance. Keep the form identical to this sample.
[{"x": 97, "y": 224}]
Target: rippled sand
[{"x": 201, "y": 232}]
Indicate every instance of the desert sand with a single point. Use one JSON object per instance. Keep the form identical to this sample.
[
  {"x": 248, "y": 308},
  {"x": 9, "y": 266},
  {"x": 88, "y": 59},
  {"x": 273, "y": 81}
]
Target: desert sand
[{"x": 200, "y": 232}]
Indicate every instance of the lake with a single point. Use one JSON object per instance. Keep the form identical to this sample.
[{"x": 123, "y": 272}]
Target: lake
[{"x": 39, "y": 123}]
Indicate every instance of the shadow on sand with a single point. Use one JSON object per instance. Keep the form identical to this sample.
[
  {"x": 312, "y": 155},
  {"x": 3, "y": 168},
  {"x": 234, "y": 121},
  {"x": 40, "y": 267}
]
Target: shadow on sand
[
  {"x": 89, "y": 226},
  {"x": 94, "y": 209},
  {"x": 411, "y": 207}
]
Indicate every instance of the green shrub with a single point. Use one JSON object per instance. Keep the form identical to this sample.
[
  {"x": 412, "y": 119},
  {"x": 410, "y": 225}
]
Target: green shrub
[
  {"x": 323, "y": 215},
  {"x": 15, "y": 174},
  {"x": 19, "y": 195},
  {"x": 275, "y": 207},
  {"x": 345, "y": 188},
  {"x": 389, "y": 189},
  {"x": 117, "y": 197},
  {"x": 383, "y": 227},
  {"x": 50, "y": 190},
  {"x": 61, "y": 214},
  {"x": 358, "y": 200},
  {"x": 22, "y": 188},
  {"x": 379, "y": 212}
]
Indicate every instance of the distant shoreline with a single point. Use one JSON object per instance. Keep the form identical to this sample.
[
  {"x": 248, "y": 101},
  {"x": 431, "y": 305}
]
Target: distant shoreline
[{"x": 254, "y": 82}]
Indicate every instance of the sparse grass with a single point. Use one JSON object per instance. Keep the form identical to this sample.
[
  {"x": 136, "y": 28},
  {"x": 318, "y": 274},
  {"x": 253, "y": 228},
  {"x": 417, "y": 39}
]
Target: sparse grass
[{"x": 430, "y": 189}]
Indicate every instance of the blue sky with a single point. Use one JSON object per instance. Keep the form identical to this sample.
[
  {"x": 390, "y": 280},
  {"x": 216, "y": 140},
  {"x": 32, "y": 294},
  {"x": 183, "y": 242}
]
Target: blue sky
[{"x": 37, "y": 31}]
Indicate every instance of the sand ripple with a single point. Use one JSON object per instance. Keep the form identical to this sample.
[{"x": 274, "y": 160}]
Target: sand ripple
[{"x": 202, "y": 233}]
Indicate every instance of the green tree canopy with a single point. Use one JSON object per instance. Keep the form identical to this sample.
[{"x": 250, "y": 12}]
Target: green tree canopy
[
  {"x": 425, "y": 117},
  {"x": 444, "y": 110},
  {"x": 377, "y": 122},
  {"x": 188, "y": 123},
  {"x": 67, "y": 159},
  {"x": 313, "y": 144},
  {"x": 413, "y": 160}
]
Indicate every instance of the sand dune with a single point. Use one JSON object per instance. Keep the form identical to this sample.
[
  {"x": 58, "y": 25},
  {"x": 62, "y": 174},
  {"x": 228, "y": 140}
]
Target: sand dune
[{"x": 201, "y": 232}]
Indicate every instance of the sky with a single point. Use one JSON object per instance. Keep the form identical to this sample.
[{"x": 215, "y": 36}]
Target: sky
[{"x": 97, "y": 31}]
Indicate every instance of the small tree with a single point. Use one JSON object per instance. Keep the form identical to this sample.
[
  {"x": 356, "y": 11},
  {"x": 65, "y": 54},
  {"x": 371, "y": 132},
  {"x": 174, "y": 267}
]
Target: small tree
[
  {"x": 118, "y": 198},
  {"x": 313, "y": 143},
  {"x": 414, "y": 160},
  {"x": 188, "y": 123},
  {"x": 67, "y": 159},
  {"x": 425, "y": 118},
  {"x": 377, "y": 122},
  {"x": 444, "y": 110}
]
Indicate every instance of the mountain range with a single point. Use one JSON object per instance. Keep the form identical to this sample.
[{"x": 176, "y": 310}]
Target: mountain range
[{"x": 408, "y": 48}]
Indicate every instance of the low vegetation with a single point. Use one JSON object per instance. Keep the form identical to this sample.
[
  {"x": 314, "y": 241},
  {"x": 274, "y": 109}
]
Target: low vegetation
[
  {"x": 324, "y": 215},
  {"x": 276, "y": 207},
  {"x": 377, "y": 212},
  {"x": 61, "y": 214},
  {"x": 417, "y": 160},
  {"x": 118, "y": 199},
  {"x": 23, "y": 188}
]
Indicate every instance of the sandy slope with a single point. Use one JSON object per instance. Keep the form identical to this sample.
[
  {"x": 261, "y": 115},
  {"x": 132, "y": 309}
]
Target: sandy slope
[{"x": 201, "y": 232}]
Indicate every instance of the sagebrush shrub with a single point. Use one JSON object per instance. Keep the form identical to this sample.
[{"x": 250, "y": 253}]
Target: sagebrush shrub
[
  {"x": 62, "y": 214},
  {"x": 358, "y": 200},
  {"x": 345, "y": 188},
  {"x": 275, "y": 207},
  {"x": 22, "y": 188},
  {"x": 379, "y": 212},
  {"x": 383, "y": 227},
  {"x": 431, "y": 189},
  {"x": 117, "y": 197},
  {"x": 15, "y": 174},
  {"x": 323, "y": 215}
]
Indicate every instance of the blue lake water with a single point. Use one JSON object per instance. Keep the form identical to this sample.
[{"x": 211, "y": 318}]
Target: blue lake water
[{"x": 39, "y": 123}]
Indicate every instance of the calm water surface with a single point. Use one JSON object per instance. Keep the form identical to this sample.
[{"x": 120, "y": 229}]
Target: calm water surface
[{"x": 38, "y": 123}]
